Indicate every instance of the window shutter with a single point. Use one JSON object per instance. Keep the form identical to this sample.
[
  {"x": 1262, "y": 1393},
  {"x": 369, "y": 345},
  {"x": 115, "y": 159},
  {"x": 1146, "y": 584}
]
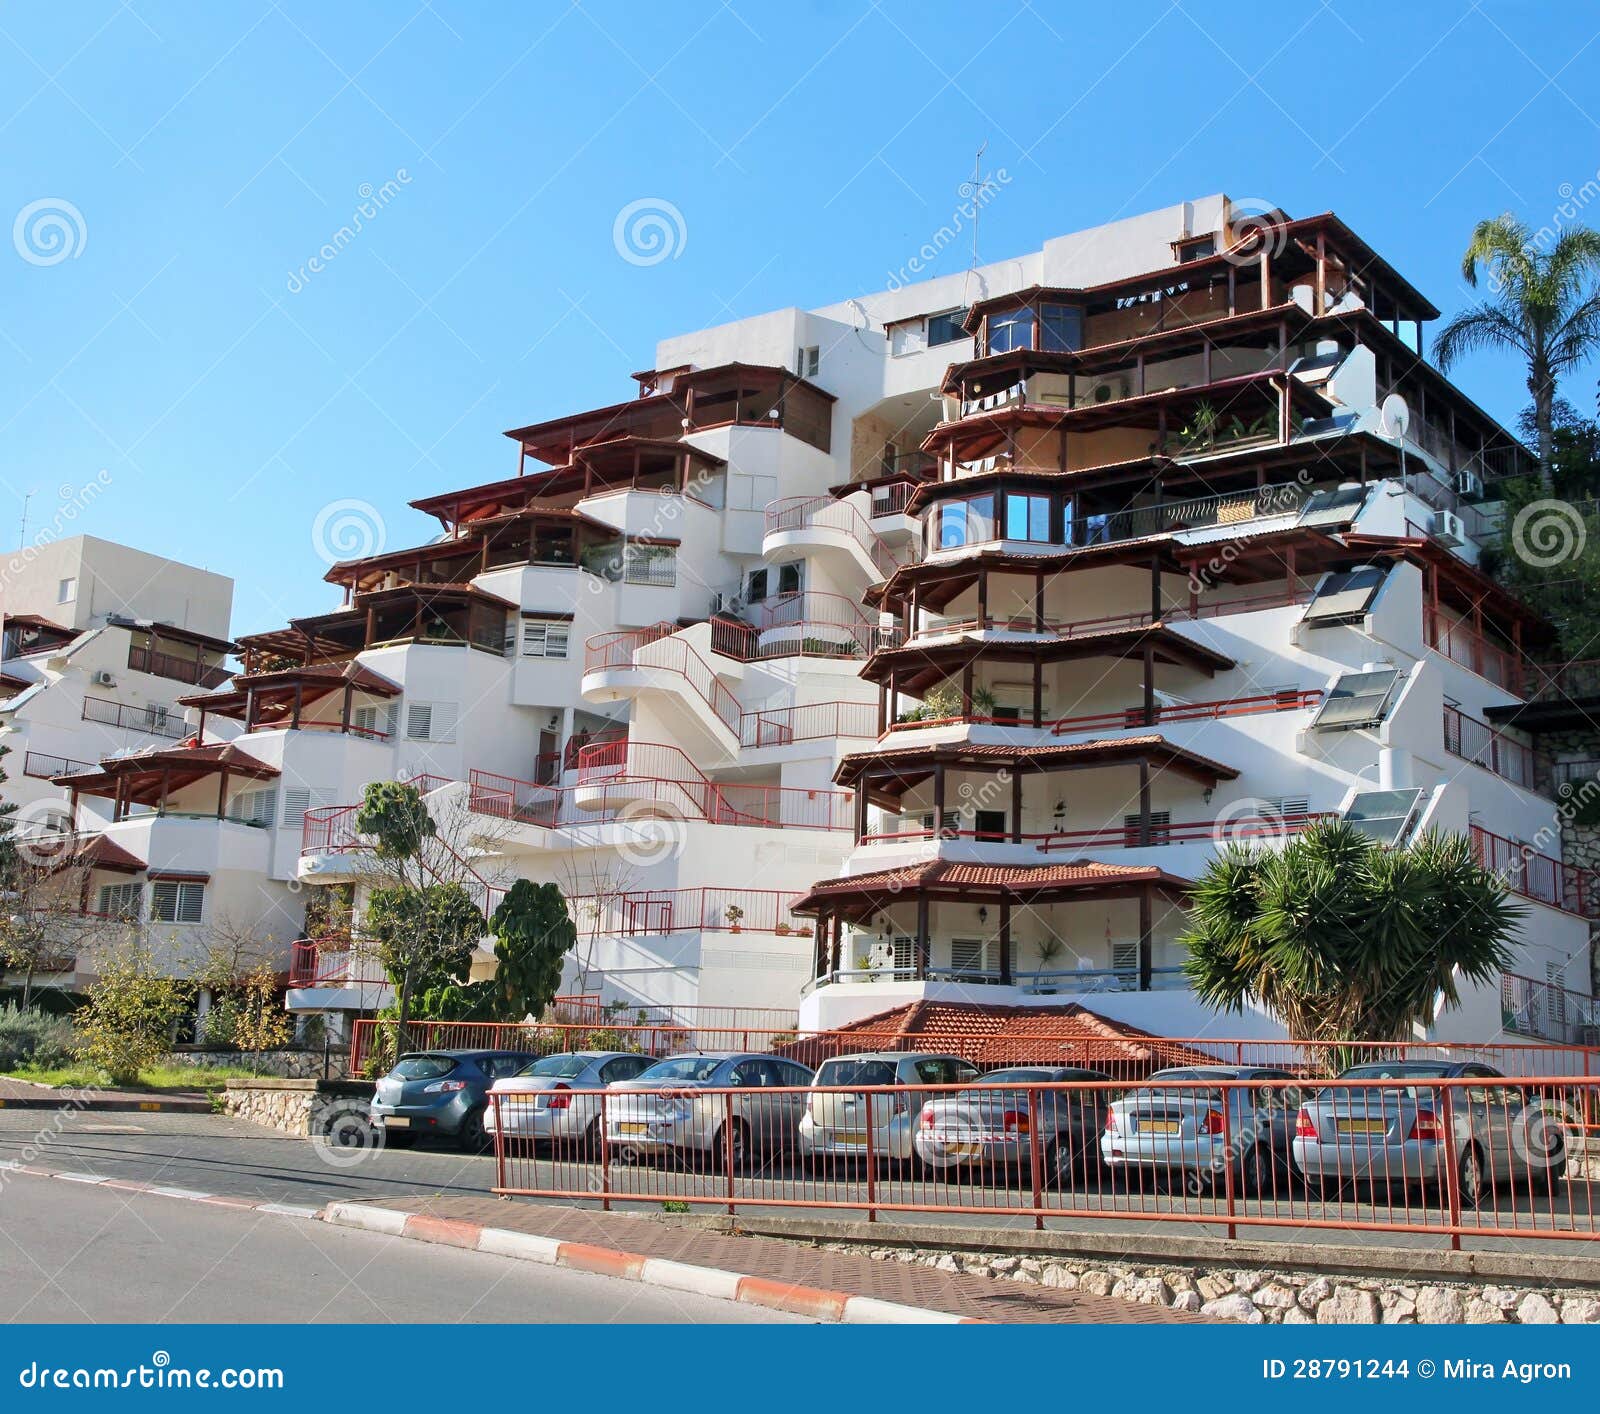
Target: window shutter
[
  {"x": 419, "y": 721},
  {"x": 1125, "y": 957},
  {"x": 299, "y": 799},
  {"x": 444, "y": 722}
]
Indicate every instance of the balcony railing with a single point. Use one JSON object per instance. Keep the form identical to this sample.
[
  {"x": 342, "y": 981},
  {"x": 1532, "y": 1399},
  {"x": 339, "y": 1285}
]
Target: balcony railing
[
  {"x": 637, "y": 798},
  {"x": 1537, "y": 876},
  {"x": 1223, "y": 830},
  {"x": 1472, "y": 650},
  {"x": 701, "y": 910},
  {"x": 1547, "y": 1011},
  {"x": 813, "y": 722},
  {"x": 42, "y": 766},
  {"x": 800, "y": 624},
  {"x": 1124, "y": 717},
  {"x": 166, "y": 665},
  {"x": 1482, "y": 745},
  {"x": 667, "y": 653},
  {"x": 826, "y": 513},
  {"x": 1548, "y": 681},
  {"x": 333, "y": 962},
  {"x": 153, "y": 719}
]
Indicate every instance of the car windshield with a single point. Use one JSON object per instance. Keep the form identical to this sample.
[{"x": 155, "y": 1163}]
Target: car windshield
[
  {"x": 1016, "y": 1077},
  {"x": 1393, "y": 1072},
  {"x": 565, "y": 1066},
  {"x": 422, "y": 1067},
  {"x": 682, "y": 1068},
  {"x": 856, "y": 1072}
]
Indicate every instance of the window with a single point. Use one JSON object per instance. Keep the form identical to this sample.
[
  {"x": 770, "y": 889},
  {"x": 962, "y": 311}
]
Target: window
[
  {"x": 946, "y": 328},
  {"x": 755, "y": 587},
  {"x": 373, "y": 721},
  {"x": 989, "y": 825},
  {"x": 1011, "y": 330},
  {"x": 299, "y": 799},
  {"x": 789, "y": 578},
  {"x": 1028, "y": 518},
  {"x": 544, "y": 638},
  {"x": 1198, "y": 249},
  {"x": 254, "y": 807},
  {"x": 902, "y": 950},
  {"x": 807, "y": 361},
  {"x": 650, "y": 564},
  {"x": 1356, "y": 700},
  {"x": 174, "y": 902},
  {"x": 1555, "y": 984},
  {"x": 1061, "y": 328},
  {"x": 66, "y": 591},
  {"x": 1285, "y": 810},
  {"x": 121, "y": 901},
  {"x": 1160, "y": 828},
  {"x": 969, "y": 955},
  {"x": 1125, "y": 959},
  {"x": 431, "y": 721},
  {"x": 965, "y": 523}
]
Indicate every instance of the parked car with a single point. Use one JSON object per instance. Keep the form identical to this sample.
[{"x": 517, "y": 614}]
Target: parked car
[
  {"x": 1197, "y": 1132},
  {"x": 1395, "y": 1134},
  {"x": 550, "y": 1103},
  {"x": 441, "y": 1092},
  {"x": 664, "y": 1110},
  {"x": 990, "y": 1127},
  {"x": 837, "y": 1125}
]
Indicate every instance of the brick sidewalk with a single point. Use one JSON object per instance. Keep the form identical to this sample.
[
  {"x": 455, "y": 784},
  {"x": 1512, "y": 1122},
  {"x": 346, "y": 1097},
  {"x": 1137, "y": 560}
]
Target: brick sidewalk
[
  {"x": 794, "y": 1263},
  {"x": 23, "y": 1095}
]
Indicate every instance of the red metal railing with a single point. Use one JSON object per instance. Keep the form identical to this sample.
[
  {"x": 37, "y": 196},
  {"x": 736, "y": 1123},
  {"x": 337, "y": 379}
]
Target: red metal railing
[
  {"x": 658, "y": 647},
  {"x": 816, "y": 720},
  {"x": 324, "y": 962},
  {"x": 634, "y": 797},
  {"x": 1484, "y": 746},
  {"x": 1529, "y": 1007},
  {"x": 1537, "y": 876},
  {"x": 1224, "y": 829},
  {"x": 330, "y": 829},
  {"x": 1449, "y": 1159},
  {"x": 796, "y": 625},
  {"x": 699, "y": 910},
  {"x": 1472, "y": 650},
  {"x": 1578, "y": 679},
  {"x": 826, "y": 513}
]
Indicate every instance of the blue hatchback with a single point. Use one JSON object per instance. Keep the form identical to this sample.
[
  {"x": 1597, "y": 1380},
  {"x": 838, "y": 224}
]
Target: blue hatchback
[{"x": 442, "y": 1092}]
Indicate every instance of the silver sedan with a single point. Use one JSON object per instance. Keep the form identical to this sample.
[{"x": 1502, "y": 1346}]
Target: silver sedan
[
  {"x": 546, "y": 1100},
  {"x": 991, "y": 1124}
]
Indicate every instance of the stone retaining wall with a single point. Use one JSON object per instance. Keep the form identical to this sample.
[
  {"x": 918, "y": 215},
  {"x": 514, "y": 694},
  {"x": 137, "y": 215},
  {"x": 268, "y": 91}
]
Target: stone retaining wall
[
  {"x": 283, "y": 1065},
  {"x": 303, "y": 1107},
  {"x": 1269, "y": 1297}
]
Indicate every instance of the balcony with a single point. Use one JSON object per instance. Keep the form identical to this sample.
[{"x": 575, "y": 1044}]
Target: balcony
[
  {"x": 815, "y": 721},
  {"x": 1537, "y": 876},
  {"x": 696, "y": 910},
  {"x": 821, "y": 521},
  {"x": 180, "y": 669},
  {"x": 1496, "y": 752},
  {"x": 1547, "y": 1011}
]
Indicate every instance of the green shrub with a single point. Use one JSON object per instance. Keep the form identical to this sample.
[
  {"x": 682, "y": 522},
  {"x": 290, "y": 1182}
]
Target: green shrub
[{"x": 32, "y": 1038}]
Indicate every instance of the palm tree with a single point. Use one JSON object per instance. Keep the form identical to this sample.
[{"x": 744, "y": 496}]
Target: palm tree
[
  {"x": 1343, "y": 939},
  {"x": 1543, "y": 305}
]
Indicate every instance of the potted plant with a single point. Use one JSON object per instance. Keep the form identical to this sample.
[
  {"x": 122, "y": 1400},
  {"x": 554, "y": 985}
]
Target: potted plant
[
  {"x": 781, "y": 928},
  {"x": 733, "y": 913}
]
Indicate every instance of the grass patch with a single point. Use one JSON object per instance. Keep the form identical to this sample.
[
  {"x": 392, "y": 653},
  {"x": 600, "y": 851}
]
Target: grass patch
[{"x": 159, "y": 1077}]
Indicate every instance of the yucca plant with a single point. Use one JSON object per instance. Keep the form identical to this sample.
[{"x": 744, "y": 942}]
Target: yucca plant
[{"x": 1343, "y": 939}]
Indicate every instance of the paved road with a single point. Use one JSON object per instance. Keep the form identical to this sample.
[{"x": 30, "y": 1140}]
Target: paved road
[
  {"x": 77, "y": 1253},
  {"x": 218, "y": 1155}
]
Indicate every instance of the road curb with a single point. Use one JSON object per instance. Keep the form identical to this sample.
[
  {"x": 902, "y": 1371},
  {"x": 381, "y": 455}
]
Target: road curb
[
  {"x": 810, "y": 1301},
  {"x": 162, "y": 1190},
  {"x": 69, "y": 1100}
]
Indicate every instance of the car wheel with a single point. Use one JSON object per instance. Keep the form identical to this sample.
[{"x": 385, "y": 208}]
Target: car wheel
[
  {"x": 592, "y": 1140},
  {"x": 738, "y": 1139},
  {"x": 1470, "y": 1179},
  {"x": 1548, "y": 1180},
  {"x": 471, "y": 1136},
  {"x": 1258, "y": 1173}
]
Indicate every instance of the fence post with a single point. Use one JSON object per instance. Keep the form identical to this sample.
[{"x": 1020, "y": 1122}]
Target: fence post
[
  {"x": 872, "y": 1167},
  {"x": 499, "y": 1140},
  {"x": 605, "y": 1159},
  {"x": 1227, "y": 1159},
  {"x": 1452, "y": 1178},
  {"x": 727, "y": 1143},
  {"x": 1035, "y": 1159}
]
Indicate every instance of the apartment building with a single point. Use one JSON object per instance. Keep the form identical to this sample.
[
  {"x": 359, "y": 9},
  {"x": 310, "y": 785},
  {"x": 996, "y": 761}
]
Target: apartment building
[{"x": 927, "y": 645}]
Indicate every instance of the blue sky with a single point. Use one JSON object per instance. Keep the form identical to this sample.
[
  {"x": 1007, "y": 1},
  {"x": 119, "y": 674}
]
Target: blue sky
[{"x": 209, "y": 151}]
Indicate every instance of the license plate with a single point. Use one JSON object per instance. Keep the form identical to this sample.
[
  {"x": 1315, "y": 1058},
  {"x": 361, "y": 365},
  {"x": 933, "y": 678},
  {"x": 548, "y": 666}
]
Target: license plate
[
  {"x": 850, "y": 1137},
  {"x": 964, "y": 1151},
  {"x": 634, "y": 1128},
  {"x": 1363, "y": 1126},
  {"x": 1160, "y": 1126},
  {"x": 397, "y": 1122}
]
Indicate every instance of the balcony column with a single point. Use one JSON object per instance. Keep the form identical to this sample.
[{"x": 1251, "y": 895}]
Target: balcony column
[
  {"x": 1146, "y": 942},
  {"x": 819, "y": 948},
  {"x": 1005, "y": 943},
  {"x": 924, "y": 946},
  {"x": 1155, "y": 589},
  {"x": 1266, "y": 274},
  {"x": 1322, "y": 272},
  {"x": 883, "y": 708},
  {"x": 1038, "y": 601},
  {"x": 1205, "y": 362},
  {"x": 222, "y": 793},
  {"x": 836, "y": 942},
  {"x": 938, "y": 799},
  {"x": 166, "y": 786},
  {"x": 1144, "y": 803},
  {"x": 861, "y": 809},
  {"x": 299, "y": 701},
  {"x": 1016, "y": 805},
  {"x": 983, "y": 598},
  {"x": 1149, "y": 684},
  {"x": 966, "y": 690},
  {"x": 1283, "y": 344},
  {"x": 1038, "y": 690},
  {"x": 1233, "y": 288},
  {"x": 344, "y": 711}
]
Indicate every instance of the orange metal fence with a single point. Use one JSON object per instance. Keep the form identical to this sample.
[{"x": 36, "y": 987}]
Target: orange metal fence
[{"x": 1448, "y": 1158}]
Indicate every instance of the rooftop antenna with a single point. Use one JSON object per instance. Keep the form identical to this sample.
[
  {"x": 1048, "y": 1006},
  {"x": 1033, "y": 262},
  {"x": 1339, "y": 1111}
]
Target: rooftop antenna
[
  {"x": 973, "y": 191},
  {"x": 22, "y": 534}
]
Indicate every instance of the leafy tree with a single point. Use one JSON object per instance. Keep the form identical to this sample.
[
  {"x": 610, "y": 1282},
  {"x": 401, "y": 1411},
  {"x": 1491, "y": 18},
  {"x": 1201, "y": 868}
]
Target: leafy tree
[
  {"x": 424, "y": 937},
  {"x": 533, "y": 933},
  {"x": 127, "y": 1023},
  {"x": 395, "y": 818},
  {"x": 1543, "y": 305},
  {"x": 1343, "y": 939}
]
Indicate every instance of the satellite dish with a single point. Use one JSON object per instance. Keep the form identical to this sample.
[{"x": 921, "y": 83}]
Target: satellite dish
[{"x": 1394, "y": 417}]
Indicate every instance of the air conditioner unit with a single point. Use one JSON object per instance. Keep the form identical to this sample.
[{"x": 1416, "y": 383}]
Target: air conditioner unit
[
  {"x": 1446, "y": 528},
  {"x": 104, "y": 679},
  {"x": 1469, "y": 484}
]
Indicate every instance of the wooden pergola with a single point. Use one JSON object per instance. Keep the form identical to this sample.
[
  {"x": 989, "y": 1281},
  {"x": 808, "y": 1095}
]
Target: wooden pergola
[{"x": 151, "y": 777}]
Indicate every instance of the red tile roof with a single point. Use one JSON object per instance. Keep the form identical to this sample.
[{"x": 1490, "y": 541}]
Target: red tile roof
[
  {"x": 948, "y": 875},
  {"x": 989, "y": 1034},
  {"x": 1110, "y": 749}
]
